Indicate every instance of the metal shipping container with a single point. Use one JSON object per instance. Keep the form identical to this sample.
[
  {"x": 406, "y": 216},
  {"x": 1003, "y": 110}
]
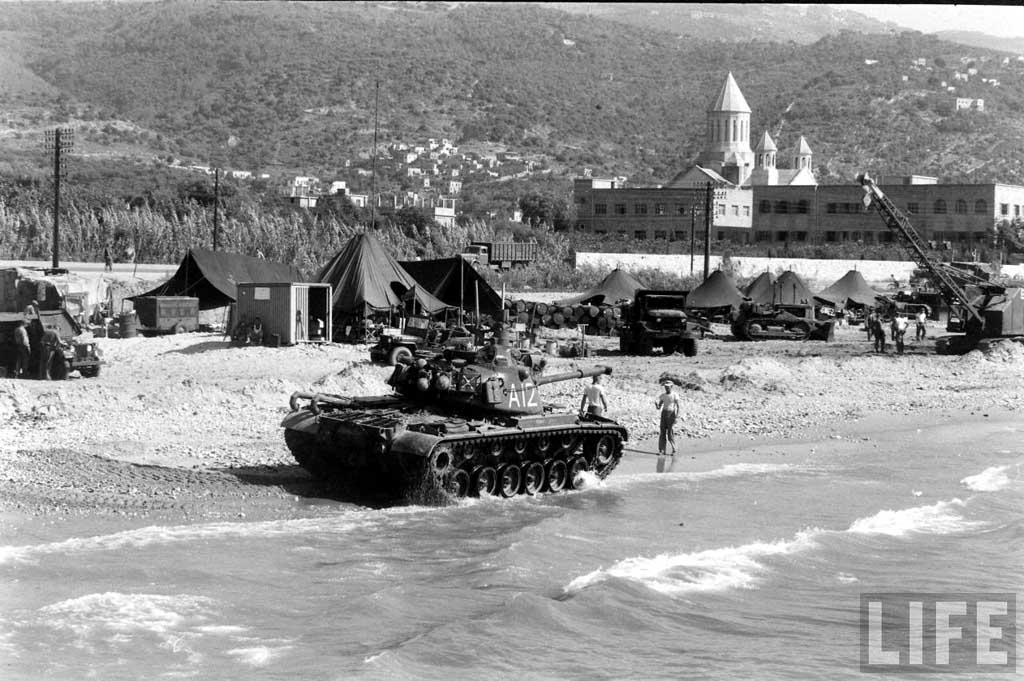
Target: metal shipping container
[{"x": 290, "y": 311}]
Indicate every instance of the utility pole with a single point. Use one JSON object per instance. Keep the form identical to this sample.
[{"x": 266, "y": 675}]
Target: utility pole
[
  {"x": 693, "y": 229},
  {"x": 373, "y": 174},
  {"x": 59, "y": 141},
  {"x": 216, "y": 206},
  {"x": 709, "y": 218}
]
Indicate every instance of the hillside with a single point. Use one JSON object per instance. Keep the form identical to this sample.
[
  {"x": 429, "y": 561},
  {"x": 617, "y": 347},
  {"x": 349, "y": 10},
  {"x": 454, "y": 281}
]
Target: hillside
[{"x": 290, "y": 87}]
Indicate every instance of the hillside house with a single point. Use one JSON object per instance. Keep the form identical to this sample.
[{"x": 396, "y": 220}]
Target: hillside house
[
  {"x": 454, "y": 187},
  {"x": 410, "y": 157}
]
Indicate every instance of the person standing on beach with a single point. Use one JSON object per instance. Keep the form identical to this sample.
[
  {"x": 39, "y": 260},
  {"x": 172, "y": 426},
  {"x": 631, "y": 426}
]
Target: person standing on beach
[
  {"x": 899, "y": 331},
  {"x": 920, "y": 332},
  {"x": 877, "y": 331},
  {"x": 593, "y": 395},
  {"x": 668, "y": 404}
]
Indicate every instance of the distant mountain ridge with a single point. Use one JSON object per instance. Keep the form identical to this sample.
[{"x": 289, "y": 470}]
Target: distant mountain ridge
[{"x": 292, "y": 85}]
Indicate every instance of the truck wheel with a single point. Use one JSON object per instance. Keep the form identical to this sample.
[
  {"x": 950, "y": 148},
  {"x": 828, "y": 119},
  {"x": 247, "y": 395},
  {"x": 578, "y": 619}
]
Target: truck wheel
[
  {"x": 645, "y": 347},
  {"x": 90, "y": 372},
  {"x": 179, "y": 328},
  {"x": 399, "y": 355},
  {"x": 690, "y": 347},
  {"x": 623, "y": 343},
  {"x": 669, "y": 347}
]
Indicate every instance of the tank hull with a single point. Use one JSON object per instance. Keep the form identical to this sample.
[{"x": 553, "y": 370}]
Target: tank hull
[{"x": 398, "y": 445}]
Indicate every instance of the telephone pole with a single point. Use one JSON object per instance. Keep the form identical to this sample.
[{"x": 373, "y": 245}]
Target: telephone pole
[{"x": 59, "y": 141}]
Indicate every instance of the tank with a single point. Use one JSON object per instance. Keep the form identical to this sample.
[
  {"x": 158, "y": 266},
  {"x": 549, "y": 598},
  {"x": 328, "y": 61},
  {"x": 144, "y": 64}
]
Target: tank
[{"x": 459, "y": 426}]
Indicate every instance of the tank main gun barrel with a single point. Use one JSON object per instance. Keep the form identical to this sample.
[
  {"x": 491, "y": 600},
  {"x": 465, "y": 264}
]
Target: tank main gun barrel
[{"x": 572, "y": 375}]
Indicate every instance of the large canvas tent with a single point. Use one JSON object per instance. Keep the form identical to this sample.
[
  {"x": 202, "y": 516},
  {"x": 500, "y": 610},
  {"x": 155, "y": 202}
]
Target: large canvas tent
[
  {"x": 790, "y": 289},
  {"x": 851, "y": 288},
  {"x": 367, "y": 279},
  {"x": 717, "y": 291},
  {"x": 212, "y": 277},
  {"x": 443, "y": 279},
  {"x": 761, "y": 289},
  {"x": 619, "y": 286}
]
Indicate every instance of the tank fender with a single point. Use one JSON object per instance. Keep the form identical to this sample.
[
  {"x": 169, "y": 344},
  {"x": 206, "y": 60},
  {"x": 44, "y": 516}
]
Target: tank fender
[
  {"x": 414, "y": 443},
  {"x": 302, "y": 420}
]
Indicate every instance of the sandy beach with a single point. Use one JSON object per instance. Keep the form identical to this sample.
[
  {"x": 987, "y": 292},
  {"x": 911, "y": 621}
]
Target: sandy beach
[{"x": 186, "y": 427}]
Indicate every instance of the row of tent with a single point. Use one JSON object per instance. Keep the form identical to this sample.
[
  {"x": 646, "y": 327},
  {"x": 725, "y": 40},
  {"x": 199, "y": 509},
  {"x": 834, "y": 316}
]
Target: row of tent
[
  {"x": 720, "y": 291},
  {"x": 366, "y": 279}
]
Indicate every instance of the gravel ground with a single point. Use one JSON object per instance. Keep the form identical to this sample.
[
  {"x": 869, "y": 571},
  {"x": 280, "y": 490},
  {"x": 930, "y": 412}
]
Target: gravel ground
[{"x": 186, "y": 426}]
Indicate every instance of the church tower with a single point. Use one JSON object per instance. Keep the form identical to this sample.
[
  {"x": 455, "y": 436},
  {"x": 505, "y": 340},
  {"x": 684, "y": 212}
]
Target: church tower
[
  {"x": 727, "y": 151},
  {"x": 766, "y": 151},
  {"x": 803, "y": 156}
]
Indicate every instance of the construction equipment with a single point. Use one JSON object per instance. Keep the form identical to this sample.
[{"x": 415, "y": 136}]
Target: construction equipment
[
  {"x": 462, "y": 427},
  {"x": 993, "y": 312},
  {"x": 780, "y": 322}
]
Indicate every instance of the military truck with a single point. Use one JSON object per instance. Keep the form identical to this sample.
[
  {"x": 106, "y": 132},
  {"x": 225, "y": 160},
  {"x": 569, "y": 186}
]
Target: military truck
[
  {"x": 656, "y": 319},
  {"x": 76, "y": 354}
]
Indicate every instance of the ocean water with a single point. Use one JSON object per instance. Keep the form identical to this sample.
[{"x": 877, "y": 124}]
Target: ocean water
[{"x": 744, "y": 571}]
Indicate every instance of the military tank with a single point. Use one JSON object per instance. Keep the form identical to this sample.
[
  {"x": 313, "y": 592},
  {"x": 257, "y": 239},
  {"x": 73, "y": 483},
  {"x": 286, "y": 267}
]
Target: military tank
[{"x": 467, "y": 427}]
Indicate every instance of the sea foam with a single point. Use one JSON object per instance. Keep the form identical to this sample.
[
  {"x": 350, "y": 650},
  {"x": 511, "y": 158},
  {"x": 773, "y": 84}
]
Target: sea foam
[
  {"x": 989, "y": 480},
  {"x": 702, "y": 571},
  {"x": 942, "y": 517}
]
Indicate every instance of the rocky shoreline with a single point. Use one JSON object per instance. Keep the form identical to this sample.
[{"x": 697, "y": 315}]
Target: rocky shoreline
[{"x": 183, "y": 428}]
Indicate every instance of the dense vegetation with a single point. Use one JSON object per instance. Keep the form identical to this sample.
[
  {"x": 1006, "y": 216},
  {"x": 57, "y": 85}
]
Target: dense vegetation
[{"x": 592, "y": 93}]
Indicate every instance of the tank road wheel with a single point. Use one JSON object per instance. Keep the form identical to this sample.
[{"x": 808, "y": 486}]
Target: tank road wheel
[
  {"x": 510, "y": 479},
  {"x": 519, "y": 447},
  {"x": 602, "y": 451},
  {"x": 457, "y": 483},
  {"x": 690, "y": 347},
  {"x": 495, "y": 449},
  {"x": 399, "y": 355},
  {"x": 576, "y": 465},
  {"x": 557, "y": 474},
  {"x": 484, "y": 481},
  {"x": 533, "y": 477}
]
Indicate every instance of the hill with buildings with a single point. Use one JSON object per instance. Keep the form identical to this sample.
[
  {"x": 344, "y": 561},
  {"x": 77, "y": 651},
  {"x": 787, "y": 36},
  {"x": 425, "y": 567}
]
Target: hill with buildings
[{"x": 293, "y": 88}]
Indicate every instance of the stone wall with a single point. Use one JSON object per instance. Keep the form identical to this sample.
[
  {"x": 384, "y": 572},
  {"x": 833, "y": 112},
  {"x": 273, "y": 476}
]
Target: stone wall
[{"x": 818, "y": 274}]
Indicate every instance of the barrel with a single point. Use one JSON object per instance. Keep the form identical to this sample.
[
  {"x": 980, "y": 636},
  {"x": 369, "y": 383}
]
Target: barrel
[
  {"x": 541, "y": 309},
  {"x": 129, "y": 325},
  {"x": 558, "y": 319},
  {"x": 593, "y": 311}
]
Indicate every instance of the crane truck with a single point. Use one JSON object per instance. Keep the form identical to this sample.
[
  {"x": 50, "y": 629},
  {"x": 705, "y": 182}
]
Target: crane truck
[{"x": 994, "y": 312}]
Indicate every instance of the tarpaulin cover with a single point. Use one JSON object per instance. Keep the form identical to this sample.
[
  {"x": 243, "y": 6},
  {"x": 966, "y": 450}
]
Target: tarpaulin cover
[
  {"x": 441, "y": 278},
  {"x": 619, "y": 286},
  {"x": 365, "y": 277},
  {"x": 212, "y": 277},
  {"x": 760, "y": 290},
  {"x": 717, "y": 291},
  {"x": 851, "y": 287}
]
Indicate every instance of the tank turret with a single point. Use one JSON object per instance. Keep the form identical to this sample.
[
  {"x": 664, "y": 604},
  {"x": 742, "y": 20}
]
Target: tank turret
[{"x": 472, "y": 426}]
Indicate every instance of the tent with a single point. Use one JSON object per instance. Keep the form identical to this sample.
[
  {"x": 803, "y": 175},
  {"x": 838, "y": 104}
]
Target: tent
[
  {"x": 851, "y": 288},
  {"x": 212, "y": 277},
  {"x": 443, "y": 279},
  {"x": 618, "y": 286},
  {"x": 761, "y": 289},
  {"x": 366, "y": 278},
  {"x": 790, "y": 289},
  {"x": 717, "y": 291}
]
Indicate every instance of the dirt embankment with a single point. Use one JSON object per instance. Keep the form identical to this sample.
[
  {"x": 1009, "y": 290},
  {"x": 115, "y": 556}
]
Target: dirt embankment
[{"x": 187, "y": 426}]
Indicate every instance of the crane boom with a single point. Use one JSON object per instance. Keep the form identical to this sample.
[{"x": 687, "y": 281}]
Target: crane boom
[{"x": 898, "y": 223}]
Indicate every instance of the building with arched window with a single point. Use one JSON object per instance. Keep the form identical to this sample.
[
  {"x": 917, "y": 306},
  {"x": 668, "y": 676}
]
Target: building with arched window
[{"x": 754, "y": 200}]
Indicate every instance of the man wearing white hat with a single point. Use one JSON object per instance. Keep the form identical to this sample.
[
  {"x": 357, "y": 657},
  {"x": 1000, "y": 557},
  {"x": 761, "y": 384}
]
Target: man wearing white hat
[{"x": 668, "y": 404}]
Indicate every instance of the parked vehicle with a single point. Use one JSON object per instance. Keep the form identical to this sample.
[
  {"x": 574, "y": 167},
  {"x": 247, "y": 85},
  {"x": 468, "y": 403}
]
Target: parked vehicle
[
  {"x": 167, "y": 314},
  {"x": 781, "y": 322},
  {"x": 656, "y": 319},
  {"x": 421, "y": 337},
  {"x": 76, "y": 353},
  {"x": 501, "y": 255}
]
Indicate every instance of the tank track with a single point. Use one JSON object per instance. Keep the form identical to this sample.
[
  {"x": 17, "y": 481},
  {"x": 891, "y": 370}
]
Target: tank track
[{"x": 518, "y": 464}]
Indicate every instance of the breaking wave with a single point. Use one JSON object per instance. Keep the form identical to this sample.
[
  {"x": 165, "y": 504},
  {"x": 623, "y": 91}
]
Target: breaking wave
[
  {"x": 942, "y": 517},
  {"x": 989, "y": 480}
]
